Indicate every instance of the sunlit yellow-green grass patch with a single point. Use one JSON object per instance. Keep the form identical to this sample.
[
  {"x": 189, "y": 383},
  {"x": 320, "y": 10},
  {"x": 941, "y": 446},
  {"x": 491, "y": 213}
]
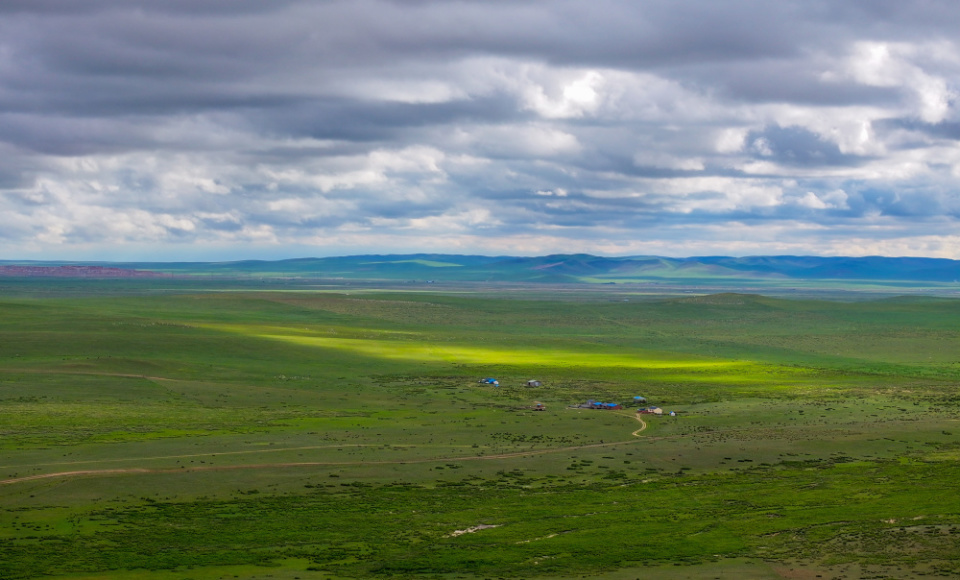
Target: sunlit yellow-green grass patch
[{"x": 427, "y": 351}]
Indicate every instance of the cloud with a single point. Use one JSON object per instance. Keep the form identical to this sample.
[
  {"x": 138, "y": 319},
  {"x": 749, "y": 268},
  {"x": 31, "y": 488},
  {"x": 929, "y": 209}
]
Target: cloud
[
  {"x": 217, "y": 129},
  {"x": 796, "y": 146}
]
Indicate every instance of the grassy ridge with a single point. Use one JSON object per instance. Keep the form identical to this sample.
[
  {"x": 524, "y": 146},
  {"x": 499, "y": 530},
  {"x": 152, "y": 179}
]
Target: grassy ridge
[
  {"x": 761, "y": 271},
  {"x": 329, "y": 435}
]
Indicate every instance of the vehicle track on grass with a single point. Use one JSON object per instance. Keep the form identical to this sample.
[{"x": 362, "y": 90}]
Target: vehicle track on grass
[
  {"x": 158, "y": 380},
  {"x": 643, "y": 425},
  {"x": 189, "y": 455},
  {"x": 184, "y": 469}
]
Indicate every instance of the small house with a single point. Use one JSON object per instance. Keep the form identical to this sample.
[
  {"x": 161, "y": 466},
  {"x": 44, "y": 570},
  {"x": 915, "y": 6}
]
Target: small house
[
  {"x": 638, "y": 400},
  {"x": 534, "y": 383},
  {"x": 489, "y": 381},
  {"x": 539, "y": 407}
]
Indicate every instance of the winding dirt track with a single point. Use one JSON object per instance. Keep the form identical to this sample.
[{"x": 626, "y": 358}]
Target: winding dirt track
[
  {"x": 133, "y": 470},
  {"x": 643, "y": 425}
]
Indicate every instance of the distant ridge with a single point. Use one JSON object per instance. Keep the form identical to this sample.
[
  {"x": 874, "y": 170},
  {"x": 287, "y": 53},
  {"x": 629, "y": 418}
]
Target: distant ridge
[
  {"x": 77, "y": 271},
  {"x": 554, "y": 268}
]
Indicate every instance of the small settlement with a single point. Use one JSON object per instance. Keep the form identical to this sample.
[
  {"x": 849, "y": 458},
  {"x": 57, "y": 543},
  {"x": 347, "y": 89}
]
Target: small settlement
[
  {"x": 591, "y": 404},
  {"x": 649, "y": 410},
  {"x": 496, "y": 383}
]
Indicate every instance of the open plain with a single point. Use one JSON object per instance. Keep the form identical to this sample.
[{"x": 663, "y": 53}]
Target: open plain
[{"x": 162, "y": 431}]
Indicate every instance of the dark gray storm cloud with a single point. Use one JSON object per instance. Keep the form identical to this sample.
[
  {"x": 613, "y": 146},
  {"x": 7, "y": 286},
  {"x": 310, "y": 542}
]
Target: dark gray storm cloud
[{"x": 675, "y": 127}]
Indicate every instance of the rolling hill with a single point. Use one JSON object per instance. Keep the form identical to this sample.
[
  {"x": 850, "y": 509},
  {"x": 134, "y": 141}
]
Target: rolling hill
[{"x": 557, "y": 268}]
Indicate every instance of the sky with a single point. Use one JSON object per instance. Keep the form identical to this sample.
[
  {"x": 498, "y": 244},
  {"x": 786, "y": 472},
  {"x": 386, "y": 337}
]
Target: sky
[{"x": 232, "y": 129}]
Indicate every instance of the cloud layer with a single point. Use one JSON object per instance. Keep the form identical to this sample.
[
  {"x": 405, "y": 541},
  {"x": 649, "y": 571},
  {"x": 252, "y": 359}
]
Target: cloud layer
[{"x": 219, "y": 130}]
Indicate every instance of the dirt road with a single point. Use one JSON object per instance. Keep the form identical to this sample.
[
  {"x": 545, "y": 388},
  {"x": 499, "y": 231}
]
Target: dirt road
[{"x": 141, "y": 470}]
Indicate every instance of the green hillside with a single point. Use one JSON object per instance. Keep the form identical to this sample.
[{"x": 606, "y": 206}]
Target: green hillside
[{"x": 280, "y": 432}]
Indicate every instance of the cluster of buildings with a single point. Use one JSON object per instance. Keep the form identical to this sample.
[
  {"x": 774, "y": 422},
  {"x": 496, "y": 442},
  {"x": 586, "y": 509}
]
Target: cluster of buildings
[
  {"x": 591, "y": 404},
  {"x": 646, "y": 410},
  {"x": 496, "y": 383},
  {"x": 594, "y": 404}
]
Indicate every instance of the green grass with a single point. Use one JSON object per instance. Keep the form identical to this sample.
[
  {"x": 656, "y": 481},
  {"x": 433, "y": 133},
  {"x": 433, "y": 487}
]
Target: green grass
[{"x": 330, "y": 435}]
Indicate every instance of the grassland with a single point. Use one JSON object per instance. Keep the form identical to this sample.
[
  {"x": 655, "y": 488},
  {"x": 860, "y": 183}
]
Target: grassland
[{"x": 264, "y": 432}]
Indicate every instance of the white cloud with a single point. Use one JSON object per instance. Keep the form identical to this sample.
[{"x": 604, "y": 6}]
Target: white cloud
[
  {"x": 524, "y": 140},
  {"x": 667, "y": 161},
  {"x": 811, "y": 201},
  {"x": 443, "y": 224},
  {"x": 728, "y": 194},
  {"x": 577, "y": 97},
  {"x": 558, "y": 192},
  {"x": 894, "y": 64},
  {"x": 731, "y": 140}
]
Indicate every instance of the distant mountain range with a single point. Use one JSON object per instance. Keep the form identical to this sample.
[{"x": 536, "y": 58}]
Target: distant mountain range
[
  {"x": 76, "y": 271},
  {"x": 560, "y": 268}
]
